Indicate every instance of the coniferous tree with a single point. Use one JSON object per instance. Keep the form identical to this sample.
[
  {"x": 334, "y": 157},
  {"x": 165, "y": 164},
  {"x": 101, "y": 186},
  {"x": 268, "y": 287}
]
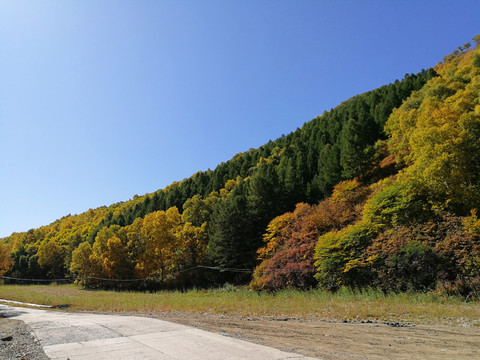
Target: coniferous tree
[
  {"x": 355, "y": 148},
  {"x": 230, "y": 235}
]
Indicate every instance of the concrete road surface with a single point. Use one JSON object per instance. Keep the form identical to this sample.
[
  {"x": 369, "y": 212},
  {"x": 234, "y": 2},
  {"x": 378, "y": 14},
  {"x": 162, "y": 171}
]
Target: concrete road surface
[{"x": 74, "y": 336}]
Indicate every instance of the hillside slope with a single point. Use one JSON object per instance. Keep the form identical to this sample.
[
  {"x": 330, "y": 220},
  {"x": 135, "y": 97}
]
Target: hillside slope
[
  {"x": 217, "y": 218},
  {"x": 414, "y": 229}
]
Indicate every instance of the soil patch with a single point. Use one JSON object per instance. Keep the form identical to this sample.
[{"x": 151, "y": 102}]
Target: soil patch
[{"x": 327, "y": 339}]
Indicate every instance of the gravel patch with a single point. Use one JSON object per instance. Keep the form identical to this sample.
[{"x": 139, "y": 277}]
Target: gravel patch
[{"x": 17, "y": 341}]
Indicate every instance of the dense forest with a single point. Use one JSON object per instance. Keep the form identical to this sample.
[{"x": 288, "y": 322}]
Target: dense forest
[{"x": 380, "y": 191}]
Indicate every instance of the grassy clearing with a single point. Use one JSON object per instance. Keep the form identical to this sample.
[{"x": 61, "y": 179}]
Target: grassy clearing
[{"x": 345, "y": 304}]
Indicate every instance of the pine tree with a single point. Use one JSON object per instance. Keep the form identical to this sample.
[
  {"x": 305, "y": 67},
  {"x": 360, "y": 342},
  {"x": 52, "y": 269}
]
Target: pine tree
[{"x": 355, "y": 150}]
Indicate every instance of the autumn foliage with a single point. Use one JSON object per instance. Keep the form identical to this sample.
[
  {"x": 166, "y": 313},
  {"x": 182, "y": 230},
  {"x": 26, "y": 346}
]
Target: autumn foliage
[
  {"x": 412, "y": 232},
  {"x": 380, "y": 191},
  {"x": 287, "y": 258}
]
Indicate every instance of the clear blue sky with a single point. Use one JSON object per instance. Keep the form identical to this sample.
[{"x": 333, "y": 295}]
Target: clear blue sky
[{"x": 101, "y": 100}]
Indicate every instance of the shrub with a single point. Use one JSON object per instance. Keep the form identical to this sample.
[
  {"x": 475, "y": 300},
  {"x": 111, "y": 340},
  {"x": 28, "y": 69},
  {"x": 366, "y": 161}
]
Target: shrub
[
  {"x": 414, "y": 267},
  {"x": 338, "y": 256},
  {"x": 468, "y": 288}
]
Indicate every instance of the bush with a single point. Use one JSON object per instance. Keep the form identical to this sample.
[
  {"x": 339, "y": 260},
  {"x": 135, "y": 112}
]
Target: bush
[
  {"x": 468, "y": 288},
  {"x": 414, "y": 267},
  {"x": 338, "y": 256}
]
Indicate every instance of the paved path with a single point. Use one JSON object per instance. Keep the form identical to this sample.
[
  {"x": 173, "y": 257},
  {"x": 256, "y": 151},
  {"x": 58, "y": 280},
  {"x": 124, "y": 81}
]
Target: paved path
[{"x": 76, "y": 336}]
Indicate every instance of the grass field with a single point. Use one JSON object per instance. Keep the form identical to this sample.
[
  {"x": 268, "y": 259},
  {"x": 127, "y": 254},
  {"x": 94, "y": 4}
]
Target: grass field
[{"x": 345, "y": 304}]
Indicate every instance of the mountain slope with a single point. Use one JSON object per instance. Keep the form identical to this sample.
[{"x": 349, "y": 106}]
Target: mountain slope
[
  {"x": 215, "y": 217},
  {"x": 415, "y": 229}
]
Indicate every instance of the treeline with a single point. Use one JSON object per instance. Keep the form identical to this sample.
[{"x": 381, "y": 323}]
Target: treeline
[{"x": 218, "y": 218}]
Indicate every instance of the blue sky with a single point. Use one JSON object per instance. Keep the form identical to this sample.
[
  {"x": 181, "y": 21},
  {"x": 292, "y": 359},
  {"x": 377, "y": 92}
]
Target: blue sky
[{"x": 101, "y": 100}]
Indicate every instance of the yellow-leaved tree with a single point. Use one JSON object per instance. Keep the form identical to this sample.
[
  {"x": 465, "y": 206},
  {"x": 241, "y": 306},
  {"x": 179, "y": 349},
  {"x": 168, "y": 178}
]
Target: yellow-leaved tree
[
  {"x": 193, "y": 243},
  {"x": 436, "y": 134},
  {"x": 101, "y": 251},
  {"x": 116, "y": 263},
  {"x": 51, "y": 257},
  {"x": 81, "y": 264},
  {"x": 6, "y": 261},
  {"x": 160, "y": 256}
]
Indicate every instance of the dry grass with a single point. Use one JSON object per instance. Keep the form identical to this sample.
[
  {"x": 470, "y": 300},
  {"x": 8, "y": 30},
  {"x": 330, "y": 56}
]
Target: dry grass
[{"x": 368, "y": 305}]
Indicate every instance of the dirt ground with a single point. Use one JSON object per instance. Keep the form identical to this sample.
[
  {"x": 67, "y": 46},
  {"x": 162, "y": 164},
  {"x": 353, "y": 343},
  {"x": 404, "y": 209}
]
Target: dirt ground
[{"x": 326, "y": 339}]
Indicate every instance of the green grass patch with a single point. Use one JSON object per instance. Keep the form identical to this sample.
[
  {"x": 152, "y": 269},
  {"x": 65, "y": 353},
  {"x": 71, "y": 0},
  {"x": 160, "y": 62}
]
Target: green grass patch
[{"x": 240, "y": 301}]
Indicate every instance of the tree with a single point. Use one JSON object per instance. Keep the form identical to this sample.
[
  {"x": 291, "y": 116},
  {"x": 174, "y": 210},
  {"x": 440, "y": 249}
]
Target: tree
[
  {"x": 196, "y": 211},
  {"x": 101, "y": 240},
  {"x": 476, "y": 60},
  {"x": 6, "y": 261},
  {"x": 135, "y": 241},
  {"x": 81, "y": 264},
  {"x": 329, "y": 168},
  {"x": 116, "y": 262},
  {"x": 265, "y": 196},
  {"x": 51, "y": 257},
  {"x": 476, "y": 39},
  {"x": 161, "y": 244},
  {"x": 230, "y": 236},
  {"x": 193, "y": 243},
  {"x": 438, "y": 138},
  {"x": 26, "y": 262},
  {"x": 356, "y": 147}
]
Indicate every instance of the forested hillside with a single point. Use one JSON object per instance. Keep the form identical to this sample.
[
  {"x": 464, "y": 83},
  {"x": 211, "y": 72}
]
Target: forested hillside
[
  {"x": 417, "y": 227},
  {"x": 358, "y": 196}
]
